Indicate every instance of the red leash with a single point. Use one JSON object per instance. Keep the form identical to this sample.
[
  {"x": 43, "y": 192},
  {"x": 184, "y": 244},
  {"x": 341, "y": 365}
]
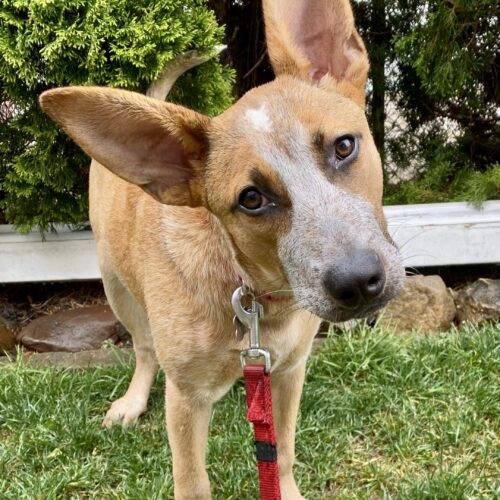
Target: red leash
[
  {"x": 258, "y": 392},
  {"x": 260, "y": 414}
]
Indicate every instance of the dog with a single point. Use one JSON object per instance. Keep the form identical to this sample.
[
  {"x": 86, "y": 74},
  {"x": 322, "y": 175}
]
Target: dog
[{"x": 281, "y": 192}]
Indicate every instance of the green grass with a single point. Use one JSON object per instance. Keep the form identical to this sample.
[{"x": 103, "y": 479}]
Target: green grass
[{"x": 382, "y": 416}]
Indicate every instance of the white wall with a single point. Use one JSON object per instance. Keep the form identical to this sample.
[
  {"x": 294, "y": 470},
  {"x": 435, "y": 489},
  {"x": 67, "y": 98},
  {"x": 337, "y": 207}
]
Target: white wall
[{"x": 428, "y": 235}]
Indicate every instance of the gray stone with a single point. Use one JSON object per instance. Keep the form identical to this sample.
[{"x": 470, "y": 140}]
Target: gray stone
[
  {"x": 425, "y": 304},
  {"x": 71, "y": 331},
  {"x": 7, "y": 338},
  {"x": 479, "y": 301}
]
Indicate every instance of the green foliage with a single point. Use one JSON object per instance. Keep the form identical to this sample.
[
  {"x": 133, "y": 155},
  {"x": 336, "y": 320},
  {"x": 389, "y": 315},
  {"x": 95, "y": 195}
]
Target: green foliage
[
  {"x": 444, "y": 175},
  {"x": 124, "y": 43},
  {"x": 480, "y": 186},
  {"x": 207, "y": 88},
  {"x": 453, "y": 49},
  {"x": 444, "y": 183},
  {"x": 441, "y": 89}
]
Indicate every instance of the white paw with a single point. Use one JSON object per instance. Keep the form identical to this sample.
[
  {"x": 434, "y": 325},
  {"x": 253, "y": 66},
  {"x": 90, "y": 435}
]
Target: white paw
[{"x": 124, "y": 411}]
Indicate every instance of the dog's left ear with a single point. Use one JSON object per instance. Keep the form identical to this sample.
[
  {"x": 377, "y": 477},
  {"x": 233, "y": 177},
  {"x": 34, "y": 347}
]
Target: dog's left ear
[
  {"x": 317, "y": 39},
  {"x": 156, "y": 145}
]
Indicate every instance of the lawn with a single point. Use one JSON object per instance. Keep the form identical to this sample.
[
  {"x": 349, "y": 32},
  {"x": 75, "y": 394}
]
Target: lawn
[{"x": 382, "y": 416}]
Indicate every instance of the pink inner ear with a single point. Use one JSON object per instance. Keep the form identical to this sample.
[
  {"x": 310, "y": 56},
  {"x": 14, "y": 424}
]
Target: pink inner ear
[
  {"x": 160, "y": 157},
  {"x": 171, "y": 158},
  {"x": 316, "y": 74},
  {"x": 320, "y": 33}
]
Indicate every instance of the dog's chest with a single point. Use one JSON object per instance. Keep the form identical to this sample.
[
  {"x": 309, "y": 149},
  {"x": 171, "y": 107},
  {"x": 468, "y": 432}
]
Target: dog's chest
[{"x": 290, "y": 344}]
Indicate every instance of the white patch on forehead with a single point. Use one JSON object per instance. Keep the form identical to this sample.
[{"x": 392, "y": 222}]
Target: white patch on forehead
[
  {"x": 326, "y": 221},
  {"x": 297, "y": 166},
  {"x": 317, "y": 202},
  {"x": 259, "y": 118}
]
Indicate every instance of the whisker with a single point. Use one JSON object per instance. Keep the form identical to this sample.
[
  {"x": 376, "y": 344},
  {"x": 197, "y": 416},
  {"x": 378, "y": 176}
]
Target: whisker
[
  {"x": 398, "y": 227},
  {"x": 288, "y": 290},
  {"x": 410, "y": 239},
  {"x": 412, "y": 271},
  {"x": 405, "y": 258},
  {"x": 288, "y": 309}
]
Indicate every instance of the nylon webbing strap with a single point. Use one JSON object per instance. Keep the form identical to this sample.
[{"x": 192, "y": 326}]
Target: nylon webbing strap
[{"x": 260, "y": 414}]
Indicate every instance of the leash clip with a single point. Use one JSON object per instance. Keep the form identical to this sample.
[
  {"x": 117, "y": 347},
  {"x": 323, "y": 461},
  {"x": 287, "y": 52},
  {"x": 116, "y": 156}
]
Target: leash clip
[{"x": 248, "y": 319}]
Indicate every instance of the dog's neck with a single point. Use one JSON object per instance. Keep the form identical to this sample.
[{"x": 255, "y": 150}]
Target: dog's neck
[
  {"x": 264, "y": 283},
  {"x": 219, "y": 270}
]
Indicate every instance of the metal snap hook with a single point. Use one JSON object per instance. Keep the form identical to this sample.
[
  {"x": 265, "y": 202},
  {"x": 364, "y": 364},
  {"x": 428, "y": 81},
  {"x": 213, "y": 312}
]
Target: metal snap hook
[{"x": 249, "y": 319}]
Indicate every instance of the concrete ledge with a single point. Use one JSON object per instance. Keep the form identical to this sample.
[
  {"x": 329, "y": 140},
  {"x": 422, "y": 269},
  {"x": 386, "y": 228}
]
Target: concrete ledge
[
  {"x": 436, "y": 234},
  {"x": 444, "y": 234},
  {"x": 63, "y": 256}
]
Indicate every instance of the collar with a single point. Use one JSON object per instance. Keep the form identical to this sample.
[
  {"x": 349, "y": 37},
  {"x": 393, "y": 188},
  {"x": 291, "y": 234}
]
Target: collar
[
  {"x": 275, "y": 297},
  {"x": 271, "y": 296}
]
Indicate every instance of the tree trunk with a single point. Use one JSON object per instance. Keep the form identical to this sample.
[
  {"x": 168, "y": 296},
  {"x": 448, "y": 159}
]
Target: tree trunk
[{"x": 379, "y": 35}]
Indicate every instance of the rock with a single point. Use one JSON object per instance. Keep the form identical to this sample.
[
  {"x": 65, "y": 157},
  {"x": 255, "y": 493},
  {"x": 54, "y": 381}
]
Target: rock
[
  {"x": 425, "y": 304},
  {"x": 7, "y": 338},
  {"x": 479, "y": 301},
  {"x": 71, "y": 331}
]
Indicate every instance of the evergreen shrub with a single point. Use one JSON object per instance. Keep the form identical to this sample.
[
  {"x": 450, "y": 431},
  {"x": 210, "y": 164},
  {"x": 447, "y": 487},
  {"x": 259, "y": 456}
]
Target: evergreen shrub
[{"x": 119, "y": 43}]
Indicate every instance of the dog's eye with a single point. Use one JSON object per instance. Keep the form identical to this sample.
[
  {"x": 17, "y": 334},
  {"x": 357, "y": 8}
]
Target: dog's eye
[
  {"x": 251, "y": 200},
  {"x": 344, "y": 146}
]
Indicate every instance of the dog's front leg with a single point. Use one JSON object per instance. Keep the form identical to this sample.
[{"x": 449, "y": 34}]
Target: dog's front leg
[
  {"x": 187, "y": 426},
  {"x": 286, "y": 390}
]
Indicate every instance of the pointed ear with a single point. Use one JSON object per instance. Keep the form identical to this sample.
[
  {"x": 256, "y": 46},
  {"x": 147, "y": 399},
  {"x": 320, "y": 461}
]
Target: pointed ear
[
  {"x": 314, "y": 39},
  {"x": 156, "y": 145}
]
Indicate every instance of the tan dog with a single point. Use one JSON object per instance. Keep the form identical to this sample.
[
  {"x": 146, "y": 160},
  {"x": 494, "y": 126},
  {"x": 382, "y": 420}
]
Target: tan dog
[{"x": 282, "y": 192}]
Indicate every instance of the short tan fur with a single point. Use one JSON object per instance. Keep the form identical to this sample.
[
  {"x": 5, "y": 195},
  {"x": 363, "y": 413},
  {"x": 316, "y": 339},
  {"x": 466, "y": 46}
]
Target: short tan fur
[{"x": 175, "y": 236}]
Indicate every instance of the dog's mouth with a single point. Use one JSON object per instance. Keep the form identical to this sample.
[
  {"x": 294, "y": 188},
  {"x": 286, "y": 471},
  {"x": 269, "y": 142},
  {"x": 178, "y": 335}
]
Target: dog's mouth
[
  {"x": 283, "y": 297},
  {"x": 336, "y": 314},
  {"x": 339, "y": 314},
  {"x": 279, "y": 304},
  {"x": 328, "y": 309}
]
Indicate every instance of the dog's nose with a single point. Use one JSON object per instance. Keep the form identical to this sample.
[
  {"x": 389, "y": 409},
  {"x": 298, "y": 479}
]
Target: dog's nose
[{"x": 356, "y": 279}]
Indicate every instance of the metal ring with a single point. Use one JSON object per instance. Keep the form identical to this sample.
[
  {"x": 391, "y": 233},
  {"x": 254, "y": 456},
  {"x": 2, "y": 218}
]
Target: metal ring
[
  {"x": 256, "y": 354},
  {"x": 242, "y": 314}
]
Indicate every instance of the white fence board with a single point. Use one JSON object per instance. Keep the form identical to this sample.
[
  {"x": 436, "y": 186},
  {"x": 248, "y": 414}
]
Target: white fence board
[
  {"x": 64, "y": 256},
  {"x": 440, "y": 234},
  {"x": 434, "y": 234}
]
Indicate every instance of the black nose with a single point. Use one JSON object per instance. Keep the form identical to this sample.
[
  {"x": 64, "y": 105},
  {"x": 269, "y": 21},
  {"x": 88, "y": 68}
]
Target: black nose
[{"x": 356, "y": 279}]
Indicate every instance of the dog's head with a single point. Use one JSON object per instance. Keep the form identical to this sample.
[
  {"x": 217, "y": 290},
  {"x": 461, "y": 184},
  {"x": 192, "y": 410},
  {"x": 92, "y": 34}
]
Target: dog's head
[{"x": 290, "y": 170}]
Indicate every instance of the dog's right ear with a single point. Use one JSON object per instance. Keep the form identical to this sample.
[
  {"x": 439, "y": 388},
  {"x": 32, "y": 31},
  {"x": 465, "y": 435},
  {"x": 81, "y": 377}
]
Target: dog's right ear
[
  {"x": 158, "y": 146},
  {"x": 316, "y": 40}
]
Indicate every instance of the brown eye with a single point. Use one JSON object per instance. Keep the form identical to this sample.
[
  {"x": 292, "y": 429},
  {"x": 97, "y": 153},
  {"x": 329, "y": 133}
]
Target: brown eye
[
  {"x": 344, "y": 146},
  {"x": 251, "y": 200}
]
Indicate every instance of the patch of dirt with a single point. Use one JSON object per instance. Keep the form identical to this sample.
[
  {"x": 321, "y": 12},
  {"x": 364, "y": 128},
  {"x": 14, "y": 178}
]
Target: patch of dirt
[
  {"x": 22, "y": 303},
  {"x": 460, "y": 276}
]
